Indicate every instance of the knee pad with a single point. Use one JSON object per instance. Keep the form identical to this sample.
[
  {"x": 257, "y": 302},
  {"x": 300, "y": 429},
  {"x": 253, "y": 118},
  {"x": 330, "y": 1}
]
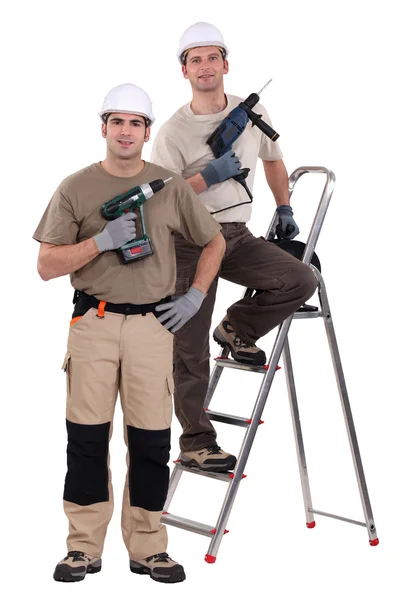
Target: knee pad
[
  {"x": 86, "y": 481},
  {"x": 148, "y": 467}
]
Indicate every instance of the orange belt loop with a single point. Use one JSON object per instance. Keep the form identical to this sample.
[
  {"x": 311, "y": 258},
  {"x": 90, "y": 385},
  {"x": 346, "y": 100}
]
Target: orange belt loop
[{"x": 100, "y": 310}]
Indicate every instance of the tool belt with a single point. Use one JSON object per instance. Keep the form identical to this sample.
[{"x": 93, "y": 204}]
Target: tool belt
[{"x": 83, "y": 302}]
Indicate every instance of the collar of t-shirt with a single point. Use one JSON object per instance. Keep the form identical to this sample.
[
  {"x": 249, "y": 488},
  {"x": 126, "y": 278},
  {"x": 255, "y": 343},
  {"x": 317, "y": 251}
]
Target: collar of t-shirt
[{"x": 214, "y": 117}]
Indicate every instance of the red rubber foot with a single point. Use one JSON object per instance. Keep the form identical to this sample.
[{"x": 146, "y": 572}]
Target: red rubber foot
[
  {"x": 210, "y": 559},
  {"x": 311, "y": 525},
  {"x": 374, "y": 542}
]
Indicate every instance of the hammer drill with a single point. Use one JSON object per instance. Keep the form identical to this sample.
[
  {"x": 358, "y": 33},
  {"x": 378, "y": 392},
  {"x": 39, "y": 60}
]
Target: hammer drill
[
  {"x": 132, "y": 201},
  {"x": 232, "y": 127}
]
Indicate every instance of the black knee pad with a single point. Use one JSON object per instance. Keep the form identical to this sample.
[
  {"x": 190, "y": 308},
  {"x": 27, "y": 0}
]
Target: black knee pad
[
  {"x": 148, "y": 467},
  {"x": 87, "y": 453}
]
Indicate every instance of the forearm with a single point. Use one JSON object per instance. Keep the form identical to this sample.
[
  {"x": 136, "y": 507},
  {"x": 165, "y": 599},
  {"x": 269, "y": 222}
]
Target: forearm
[
  {"x": 277, "y": 178},
  {"x": 209, "y": 263},
  {"x": 197, "y": 183},
  {"x": 55, "y": 261}
]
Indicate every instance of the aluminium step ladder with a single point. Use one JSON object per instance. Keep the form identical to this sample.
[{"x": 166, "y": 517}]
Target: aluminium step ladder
[{"x": 281, "y": 344}]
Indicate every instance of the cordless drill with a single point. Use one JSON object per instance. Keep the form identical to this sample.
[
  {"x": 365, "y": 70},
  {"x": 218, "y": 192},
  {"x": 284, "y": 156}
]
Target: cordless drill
[
  {"x": 233, "y": 125},
  {"x": 132, "y": 201}
]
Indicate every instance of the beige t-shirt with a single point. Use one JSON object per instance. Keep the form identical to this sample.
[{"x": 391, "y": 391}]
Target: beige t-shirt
[
  {"x": 180, "y": 146},
  {"x": 73, "y": 215}
]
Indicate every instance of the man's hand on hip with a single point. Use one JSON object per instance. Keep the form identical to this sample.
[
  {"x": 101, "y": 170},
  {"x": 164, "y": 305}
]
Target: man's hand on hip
[
  {"x": 220, "y": 169},
  {"x": 287, "y": 227},
  {"x": 181, "y": 309},
  {"x": 117, "y": 233}
]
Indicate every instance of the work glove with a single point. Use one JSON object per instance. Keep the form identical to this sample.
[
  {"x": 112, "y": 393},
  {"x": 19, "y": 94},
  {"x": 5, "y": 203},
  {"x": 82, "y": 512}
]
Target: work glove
[
  {"x": 117, "y": 233},
  {"x": 181, "y": 309},
  {"x": 226, "y": 166},
  {"x": 287, "y": 227}
]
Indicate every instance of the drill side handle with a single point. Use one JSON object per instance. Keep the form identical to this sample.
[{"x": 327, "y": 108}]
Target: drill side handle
[{"x": 258, "y": 122}]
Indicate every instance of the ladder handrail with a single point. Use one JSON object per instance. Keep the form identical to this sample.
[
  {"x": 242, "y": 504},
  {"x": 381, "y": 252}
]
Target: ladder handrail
[{"x": 321, "y": 210}]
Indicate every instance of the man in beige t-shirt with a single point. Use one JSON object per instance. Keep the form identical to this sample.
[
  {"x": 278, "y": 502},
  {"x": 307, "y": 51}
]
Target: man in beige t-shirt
[
  {"x": 282, "y": 282},
  {"x": 121, "y": 336}
]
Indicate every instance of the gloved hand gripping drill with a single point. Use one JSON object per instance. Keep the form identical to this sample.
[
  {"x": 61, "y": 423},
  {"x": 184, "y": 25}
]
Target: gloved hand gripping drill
[
  {"x": 222, "y": 139},
  {"x": 121, "y": 233}
]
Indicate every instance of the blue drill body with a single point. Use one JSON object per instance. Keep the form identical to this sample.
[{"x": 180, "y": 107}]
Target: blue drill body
[{"x": 222, "y": 139}]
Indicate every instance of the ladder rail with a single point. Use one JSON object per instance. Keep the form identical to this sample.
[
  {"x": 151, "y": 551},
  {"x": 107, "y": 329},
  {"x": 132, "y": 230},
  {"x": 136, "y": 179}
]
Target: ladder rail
[
  {"x": 345, "y": 402},
  {"x": 301, "y": 456},
  {"x": 249, "y": 437}
]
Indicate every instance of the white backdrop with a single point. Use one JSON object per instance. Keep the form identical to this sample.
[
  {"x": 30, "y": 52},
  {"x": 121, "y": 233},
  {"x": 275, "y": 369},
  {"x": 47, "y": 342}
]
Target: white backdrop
[{"x": 334, "y": 100}]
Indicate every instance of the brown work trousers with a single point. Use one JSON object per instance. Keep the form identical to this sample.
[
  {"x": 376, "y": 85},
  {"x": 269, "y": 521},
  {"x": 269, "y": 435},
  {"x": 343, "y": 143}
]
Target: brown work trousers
[
  {"x": 133, "y": 355},
  {"x": 250, "y": 262}
]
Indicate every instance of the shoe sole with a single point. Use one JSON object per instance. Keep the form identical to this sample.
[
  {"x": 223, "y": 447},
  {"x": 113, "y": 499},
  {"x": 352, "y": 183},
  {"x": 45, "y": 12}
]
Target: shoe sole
[
  {"x": 246, "y": 361},
  {"x": 64, "y": 573},
  {"x": 173, "y": 578},
  {"x": 214, "y": 469}
]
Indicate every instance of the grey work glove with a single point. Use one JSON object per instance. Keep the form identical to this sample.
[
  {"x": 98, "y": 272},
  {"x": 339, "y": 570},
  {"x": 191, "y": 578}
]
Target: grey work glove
[
  {"x": 117, "y": 233},
  {"x": 181, "y": 309},
  {"x": 221, "y": 169},
  {"x": 287, "y": 227}
]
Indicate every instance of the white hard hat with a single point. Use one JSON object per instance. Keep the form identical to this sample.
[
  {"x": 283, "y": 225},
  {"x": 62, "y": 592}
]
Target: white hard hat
[
  {"x": 200, "y": 34},
  {"x": 128, "y": 98}
]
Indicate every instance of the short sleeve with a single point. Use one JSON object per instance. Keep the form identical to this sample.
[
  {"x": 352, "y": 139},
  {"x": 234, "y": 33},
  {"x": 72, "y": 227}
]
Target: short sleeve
[
  {"x": 196, "y": 223},
  {"x": 166, "y": 153},
  {"x": 58, "y": 224}
]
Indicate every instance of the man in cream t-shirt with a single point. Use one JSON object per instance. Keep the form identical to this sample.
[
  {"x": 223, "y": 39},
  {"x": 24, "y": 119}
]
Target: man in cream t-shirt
[{"x": 283, "y": 282}]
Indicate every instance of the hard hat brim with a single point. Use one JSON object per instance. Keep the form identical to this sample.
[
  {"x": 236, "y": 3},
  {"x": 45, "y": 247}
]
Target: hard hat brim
[
  {"x": 126, "y": 112},
  {"x": 188, "y": 47}
]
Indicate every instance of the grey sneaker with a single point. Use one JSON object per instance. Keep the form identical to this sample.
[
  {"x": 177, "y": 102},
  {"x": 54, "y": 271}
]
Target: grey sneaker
[
  {"x": 243, "y": 352},
  {"x": 212, "y": 458},
  {"x": 160, "y": 567},
  {"x": 75, "y": 566}
]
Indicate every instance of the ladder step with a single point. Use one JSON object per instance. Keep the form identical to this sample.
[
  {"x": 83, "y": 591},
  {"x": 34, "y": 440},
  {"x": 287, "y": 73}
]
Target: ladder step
[
  {"x": 308, "y": 315},
  {"x": 194, "y": 526},
  {"x": 232, "y": 364},
  {"x": 230, "y": 419},
  {"x": 182, "y": 523},
  {"x": 220, "y": 476}
]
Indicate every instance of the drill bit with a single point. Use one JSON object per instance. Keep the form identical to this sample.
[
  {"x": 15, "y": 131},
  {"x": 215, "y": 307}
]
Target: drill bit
[
  {"x": 264, "y": 86},
  {"x": 166, "y": 180}
]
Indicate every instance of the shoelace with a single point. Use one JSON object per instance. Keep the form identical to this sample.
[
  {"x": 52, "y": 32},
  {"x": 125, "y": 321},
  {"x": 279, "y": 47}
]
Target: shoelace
[
  {"x": 215, "y": 449},
  {"x": 76, "y": 554},
  {"x": 162, "y": 557},
  {"x": 238, "y": 342}
]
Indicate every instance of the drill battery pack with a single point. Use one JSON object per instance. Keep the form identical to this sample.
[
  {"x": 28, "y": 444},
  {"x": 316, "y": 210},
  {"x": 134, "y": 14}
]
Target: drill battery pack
[{"x": 135, "y": 250}]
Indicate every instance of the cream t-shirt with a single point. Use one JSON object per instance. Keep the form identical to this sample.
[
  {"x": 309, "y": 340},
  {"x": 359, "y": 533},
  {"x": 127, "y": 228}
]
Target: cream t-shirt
[{"x": 180, "y": 146}]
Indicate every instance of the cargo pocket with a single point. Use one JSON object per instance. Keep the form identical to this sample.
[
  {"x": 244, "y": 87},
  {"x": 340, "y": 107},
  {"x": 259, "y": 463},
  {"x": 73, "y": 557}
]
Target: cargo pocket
[
  {"x": 168, "y": 400},
  {"x": 66, "y": 367}
]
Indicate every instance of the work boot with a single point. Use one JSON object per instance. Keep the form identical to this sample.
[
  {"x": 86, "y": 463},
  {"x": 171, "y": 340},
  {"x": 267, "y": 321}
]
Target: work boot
[
  {"x": 75, "y": 566},
  {"x": 243, "y": 352},
  {"x": 212, "y": 458},
  {"x": 160, "y": 567}
]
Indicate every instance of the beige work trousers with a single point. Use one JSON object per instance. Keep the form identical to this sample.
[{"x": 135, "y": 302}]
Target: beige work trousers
[{"x": 131, "y": 355}]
